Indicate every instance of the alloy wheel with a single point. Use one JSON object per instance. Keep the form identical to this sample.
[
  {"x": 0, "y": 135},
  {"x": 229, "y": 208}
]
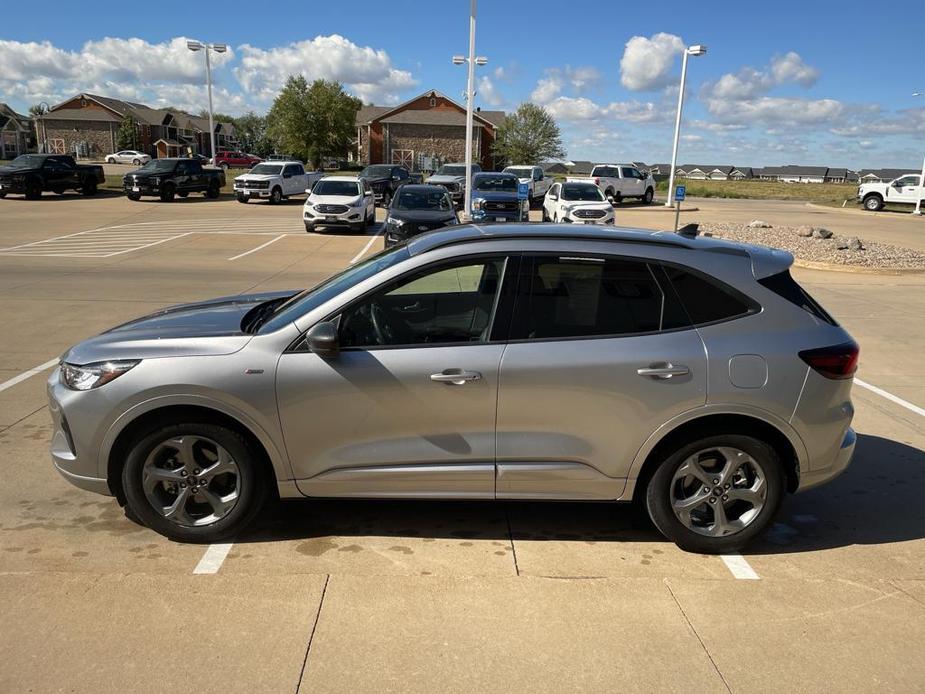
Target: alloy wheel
[
  {"x": 718, "y": 491},
  {"x": 191, "y": 480}
]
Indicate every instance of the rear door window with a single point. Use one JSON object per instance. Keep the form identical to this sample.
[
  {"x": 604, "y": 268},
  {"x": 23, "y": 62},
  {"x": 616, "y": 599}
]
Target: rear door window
[{"x": 562, "y": 297}]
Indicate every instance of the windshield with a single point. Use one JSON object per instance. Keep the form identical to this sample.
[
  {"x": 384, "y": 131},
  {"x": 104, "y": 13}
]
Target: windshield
[
  {"x": 504, "y": 184},
  {"x": 27, "y": 161},
  {"x": 520, "y": 172},
  {"x": 585, "y": 192},
  {"x": 451, "y": 170},
  {"x": 311, "y": 299},
  {"x": 436, "y": 200},
  {"x": 376, "y": 172},
  {"x": 323, "y": 187},
  {"x": 268, "y": 169},
  {"x": 159, "y": 165}
]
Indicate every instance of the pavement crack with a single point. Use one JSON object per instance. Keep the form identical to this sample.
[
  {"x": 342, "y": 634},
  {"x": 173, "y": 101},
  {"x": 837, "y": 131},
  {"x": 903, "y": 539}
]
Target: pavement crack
[
  {"x": 510, "y": 534},
  {"x": 311, "y": 636},
  {"x": 4, "y": 427},
  {"x": 702, "y": 644}
]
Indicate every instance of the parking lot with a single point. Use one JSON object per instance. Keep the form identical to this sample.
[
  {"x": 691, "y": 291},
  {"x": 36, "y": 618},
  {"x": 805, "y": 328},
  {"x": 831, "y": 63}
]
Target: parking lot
[{"x": 424, "y": 596}]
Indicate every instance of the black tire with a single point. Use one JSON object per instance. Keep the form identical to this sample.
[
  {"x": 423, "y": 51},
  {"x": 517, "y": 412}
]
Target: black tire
[
  {"x": 110, "y": 160},
  {"x": 33, "y": 190},
  {"x": 134, "y": 197},
  {"x": 88, "y": 189},
  {"x": 252, "y": 484},
  {"x": 242, "y": 198},
  {"x": 649, "y": 196},
  {"x": 136, "y": 162},
  {"x": 58, "y": 191},
  {"x": 873, "y": 203},
  {"x": 213, "y": 191},
  {"x": 2, "y": 195},
  {"x": 183, "y": 194},
  {"x": 545, "y": 216},
  {"x": 276, "y": 196},
  {"x": 167, "y": 193},
  {"x": 309, "y": 228},
  {"x": 617, "y": 198},
  {"x": 658, "y": 495},
  {"x": 371, "y": 218},
  {"x": 608, "y": 193}
]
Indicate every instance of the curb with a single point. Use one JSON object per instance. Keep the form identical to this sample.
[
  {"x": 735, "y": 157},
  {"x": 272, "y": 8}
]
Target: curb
[
  {"x": 858, "y": 269},
  {"x": 655, "y": 207}
]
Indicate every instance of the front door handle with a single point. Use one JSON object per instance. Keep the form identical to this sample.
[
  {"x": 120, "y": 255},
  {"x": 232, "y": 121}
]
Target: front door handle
[
  {"x": 663, "y": 371},
  {"x": 456, "y": 377}
]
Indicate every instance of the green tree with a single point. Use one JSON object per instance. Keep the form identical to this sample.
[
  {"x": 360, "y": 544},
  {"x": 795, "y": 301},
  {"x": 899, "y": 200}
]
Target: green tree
[
  {"x": 530, "y": 135},
  {"x": 251, "y": 130},
  {"x": 313, "y": 121},
  {"x": 126, "y": 136}
]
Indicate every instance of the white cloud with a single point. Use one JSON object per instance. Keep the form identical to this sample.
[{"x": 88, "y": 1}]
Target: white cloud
[
  {"x": 790, "y": 68},
  {"x": 776, "y": 110},
  {"x": 366, "y": 72},
  {"x": 488, "y": 92},
  {"x": 749, "y": 82},
  {"x": 582, "y": 109},
  {"x": 647, "y": 62},
  {"x": 547, "y": 89},
  {"x": 556, "y": 79}
]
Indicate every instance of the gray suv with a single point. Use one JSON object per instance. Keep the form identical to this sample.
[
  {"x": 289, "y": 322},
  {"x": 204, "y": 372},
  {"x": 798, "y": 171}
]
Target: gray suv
[{"x": 691, "y": 375}]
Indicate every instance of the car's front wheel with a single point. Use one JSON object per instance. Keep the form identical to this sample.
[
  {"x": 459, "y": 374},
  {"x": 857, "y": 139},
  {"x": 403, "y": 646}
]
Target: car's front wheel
[
  {"x": 716, "y": 494},
  {"x": 649, "y": 196},
  {"x": 195, "y": 482},
  {"x": 873, "y": 203}
]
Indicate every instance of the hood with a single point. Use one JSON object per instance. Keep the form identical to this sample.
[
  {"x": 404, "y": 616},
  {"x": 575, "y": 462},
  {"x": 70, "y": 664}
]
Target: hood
[
  {"x": 423, "y": 216},
  {"x": 445, "y": 179},
  {"x": 256, "y": 177},
  {"x": 10, "y": 171},
  {"x": 138, "y": 173},
  {"x": 495, "y": 195},
  {"x": 199, "y": 329},
  {"x": 348, "y": 200},
  {"x": 587, "y": 205}
]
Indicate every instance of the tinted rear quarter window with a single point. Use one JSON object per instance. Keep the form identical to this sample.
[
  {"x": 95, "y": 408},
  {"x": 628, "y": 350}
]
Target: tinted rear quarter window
[
  {"x": 707, "y": 300},
  {"x": 787, "y": 288}
]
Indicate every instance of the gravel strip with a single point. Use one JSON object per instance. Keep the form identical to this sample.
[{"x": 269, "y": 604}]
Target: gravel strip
[{"x": 820, "y": 250}]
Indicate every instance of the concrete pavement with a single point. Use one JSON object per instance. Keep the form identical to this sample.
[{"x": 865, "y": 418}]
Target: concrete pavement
[{"x": 399, "y": 596}]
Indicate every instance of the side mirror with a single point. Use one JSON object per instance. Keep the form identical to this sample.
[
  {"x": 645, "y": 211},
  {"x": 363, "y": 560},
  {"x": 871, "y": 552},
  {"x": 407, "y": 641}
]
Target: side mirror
[
  {"x": 610, "y": 199},
  {"x": 552, "y": 196},
  {"x": 897, "y": 184},
  {"x": 322, "y": 340}
]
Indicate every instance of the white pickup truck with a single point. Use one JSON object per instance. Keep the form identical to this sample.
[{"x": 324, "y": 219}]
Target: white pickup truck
[
  {"x": 274, "y": 181},
  {"x": 534, "y": 176},
  {"x": 903, "y": 191},
  {"x": 619, "y": 181}
]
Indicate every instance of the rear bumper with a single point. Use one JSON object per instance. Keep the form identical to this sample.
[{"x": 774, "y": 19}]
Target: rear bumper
[{"x": 814, "y": 478}]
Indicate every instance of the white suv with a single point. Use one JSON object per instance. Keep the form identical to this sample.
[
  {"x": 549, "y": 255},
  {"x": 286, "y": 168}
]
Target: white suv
[
  {"x": 273, "y": 181},
  {"x": 340, "y": 201},
  {"x": 577, "y": 202}
]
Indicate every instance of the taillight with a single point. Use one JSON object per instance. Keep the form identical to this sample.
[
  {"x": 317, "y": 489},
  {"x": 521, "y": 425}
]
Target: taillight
[{"x": 838, "y": 361}]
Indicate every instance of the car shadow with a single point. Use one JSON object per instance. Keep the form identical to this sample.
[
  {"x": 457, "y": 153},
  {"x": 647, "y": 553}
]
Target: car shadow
[
  {"x": 876, "y": 501},
  {"x": 67, "y": 195}
]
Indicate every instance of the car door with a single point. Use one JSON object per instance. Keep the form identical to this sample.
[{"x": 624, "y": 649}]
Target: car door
[
  {"x": 407, "y": 408},
  {"x": 630, "y": 185},
  {"x": 369, "y": 199},
  {"x": 59, "y": 173},
  {"x": 297, "y": 181},
  {"x": 550, "y": 201},
  {"x": 904, "y": 189},
  {"x": 600, "y": 355}
]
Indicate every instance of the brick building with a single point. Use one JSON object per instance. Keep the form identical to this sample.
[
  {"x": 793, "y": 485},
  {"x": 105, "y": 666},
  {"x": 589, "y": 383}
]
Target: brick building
[
  {"x": 424, "y": 132},
  {"x": 88, "y": 124}
]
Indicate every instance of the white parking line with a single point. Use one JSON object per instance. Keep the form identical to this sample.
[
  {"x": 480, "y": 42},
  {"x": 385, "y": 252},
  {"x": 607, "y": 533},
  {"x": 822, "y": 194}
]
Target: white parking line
[
  {"x": 372, "y": 240},
  {"x": 212, "y": 560},
  {"x": 892, "y": 398},
  {"x": 739, "y": 567},
  {"x": 27, "y": 374},
  {"x": 254, "y": 250}
]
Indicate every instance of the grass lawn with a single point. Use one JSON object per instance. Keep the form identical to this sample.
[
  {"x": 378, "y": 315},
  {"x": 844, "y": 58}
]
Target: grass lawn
[{"x": 821, "y": 193}]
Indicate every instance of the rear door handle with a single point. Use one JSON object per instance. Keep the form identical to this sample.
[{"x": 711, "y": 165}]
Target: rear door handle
[
  {"x": 456, "y": 377},
  {"x": 663, "y": 371}
]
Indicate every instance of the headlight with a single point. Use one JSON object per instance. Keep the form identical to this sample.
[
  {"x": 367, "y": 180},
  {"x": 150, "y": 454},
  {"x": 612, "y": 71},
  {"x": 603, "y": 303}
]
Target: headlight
[
  {"x": 91, "y": 376},
  {"x": 478, "y": 204},
  {"x": 394, "y": 222}
]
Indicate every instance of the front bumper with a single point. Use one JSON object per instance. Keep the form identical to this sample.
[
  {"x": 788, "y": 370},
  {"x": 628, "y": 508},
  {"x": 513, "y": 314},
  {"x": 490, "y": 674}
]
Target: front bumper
[
  {"x": 141, "y": 189},
  {"x": 8, "y": 186},
  {"x": 819, "y": 476},
  {"x": 252, "y": 192},
  {"x": 353, "y": 215},
  {"x": 609, "y": 219},
  {"x": 73, "y": 461}
]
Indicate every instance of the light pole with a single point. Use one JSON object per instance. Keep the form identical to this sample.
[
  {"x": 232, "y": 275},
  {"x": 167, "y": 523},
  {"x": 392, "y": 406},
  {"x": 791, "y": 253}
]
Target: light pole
[
  {"x": 43, "y": 109},
  {"x": 470, "y": 99},
  {"x": 695, "y": 51},
  {"x": 218, "y": 48},
  {"x": 918, "y": 199}
]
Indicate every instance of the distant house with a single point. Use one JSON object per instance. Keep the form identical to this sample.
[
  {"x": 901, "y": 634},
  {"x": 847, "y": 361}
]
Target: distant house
[
  {"x": 702, "y": 172},
  {"x": 17, "y": 134},
  {"x": 836, "y": 176},
  {"x": 424, "y": 132},
  {"x": 791, "y": 173},
  {"x": 741, "y": 173},
  {"x": 581, "y": 168},
  {"x": 882, "y": 175},
  {"x": 88, "y": 125}
]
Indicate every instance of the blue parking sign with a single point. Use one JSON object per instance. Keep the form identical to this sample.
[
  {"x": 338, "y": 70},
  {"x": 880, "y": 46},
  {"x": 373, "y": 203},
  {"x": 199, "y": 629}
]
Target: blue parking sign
[
  {"x": 523, "y": 191},
  {"x": 679, "y": 193}
]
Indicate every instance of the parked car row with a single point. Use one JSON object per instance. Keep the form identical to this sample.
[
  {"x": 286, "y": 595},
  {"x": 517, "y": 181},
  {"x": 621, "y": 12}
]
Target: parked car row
[{"x": 33, "y": 174}]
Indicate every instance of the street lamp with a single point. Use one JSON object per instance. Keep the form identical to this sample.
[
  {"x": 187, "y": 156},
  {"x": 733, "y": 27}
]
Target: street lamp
[
  {"x": 918, "y": 199},
  {"x": 695, "y": 50},
  {"x": 472, "y": 60},
  {"x": 207, "y": 47},
  {"x": 43, "y": 109}
]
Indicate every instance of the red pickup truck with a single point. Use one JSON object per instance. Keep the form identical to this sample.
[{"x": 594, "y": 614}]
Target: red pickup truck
[{"x": 238, "y": 160}]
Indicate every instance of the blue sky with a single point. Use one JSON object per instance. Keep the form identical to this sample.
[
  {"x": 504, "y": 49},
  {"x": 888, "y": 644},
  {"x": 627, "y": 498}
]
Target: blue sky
[{"x": 783, "y": 82}]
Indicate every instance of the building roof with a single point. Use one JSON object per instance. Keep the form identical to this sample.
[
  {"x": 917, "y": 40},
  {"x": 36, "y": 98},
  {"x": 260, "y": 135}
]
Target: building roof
[
  {"x": 837, "y": 173},
  {"x": 706, "y": 168},
  {"x": 422, "y": 117},
  {"x": 496, "y": 118},
  {"x": 794, "y": 170},
  {"x": 82, "y": 114},
  {"x": 368, "y": 114},
  {"x": 886, "y": 174}
]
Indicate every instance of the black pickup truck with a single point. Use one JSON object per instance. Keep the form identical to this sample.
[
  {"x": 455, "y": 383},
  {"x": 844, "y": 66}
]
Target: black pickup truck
[
  {"x": 167, "y": 178},
  {"x": 385, "y": 179},
  {"x": 32, "y": 174}
]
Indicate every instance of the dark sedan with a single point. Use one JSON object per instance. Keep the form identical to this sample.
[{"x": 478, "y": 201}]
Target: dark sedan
[{"x": 417, "y": 208}]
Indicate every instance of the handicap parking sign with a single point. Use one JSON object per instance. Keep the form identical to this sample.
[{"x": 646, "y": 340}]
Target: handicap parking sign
[
  {"x": 679, "y": 193},
  {"x": 523, "y": 190}
]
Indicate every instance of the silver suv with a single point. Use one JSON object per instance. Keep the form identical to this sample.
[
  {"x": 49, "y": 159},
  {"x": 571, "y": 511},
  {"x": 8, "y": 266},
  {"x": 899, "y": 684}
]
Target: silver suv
[{"x": 691, "y": 375}]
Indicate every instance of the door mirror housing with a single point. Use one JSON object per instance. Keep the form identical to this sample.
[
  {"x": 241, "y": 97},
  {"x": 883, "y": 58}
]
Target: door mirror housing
[
  {"x": 553, "y": 196},
  {"x": 322, "y": 339}
]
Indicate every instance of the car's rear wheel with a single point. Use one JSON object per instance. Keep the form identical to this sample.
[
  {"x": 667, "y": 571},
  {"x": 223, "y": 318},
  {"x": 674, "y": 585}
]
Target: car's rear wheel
[
  {"x": 167, "y": 193},
  {"x": 134, "y": 197},
  {"x": 88, "y": 189},
  {"x": 716, "y": 494},
  {"x": 33, "y": 190},
  {"x": 873, "y": 203},
  {"x": 195, "y": 482},
  {"x": 213, "y": 190},
  {"x": 136, "y": 162},
  {"x": 242, "y": 198}
]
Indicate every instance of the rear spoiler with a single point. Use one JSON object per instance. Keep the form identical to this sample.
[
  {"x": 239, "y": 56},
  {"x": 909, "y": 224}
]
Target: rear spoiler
[{"x": 765, "y": 261}]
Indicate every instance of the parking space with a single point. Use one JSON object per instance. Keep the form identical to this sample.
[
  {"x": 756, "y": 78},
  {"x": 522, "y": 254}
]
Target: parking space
[{"x": 426, "y": 596}]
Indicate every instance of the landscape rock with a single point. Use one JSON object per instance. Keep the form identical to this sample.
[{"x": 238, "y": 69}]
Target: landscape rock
[
  {"x": 805, "y": 231},
  {"x": 820, "y": 233},
  {"x": 758, "y": 224},
  {"x": 854, "y": 244}
]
